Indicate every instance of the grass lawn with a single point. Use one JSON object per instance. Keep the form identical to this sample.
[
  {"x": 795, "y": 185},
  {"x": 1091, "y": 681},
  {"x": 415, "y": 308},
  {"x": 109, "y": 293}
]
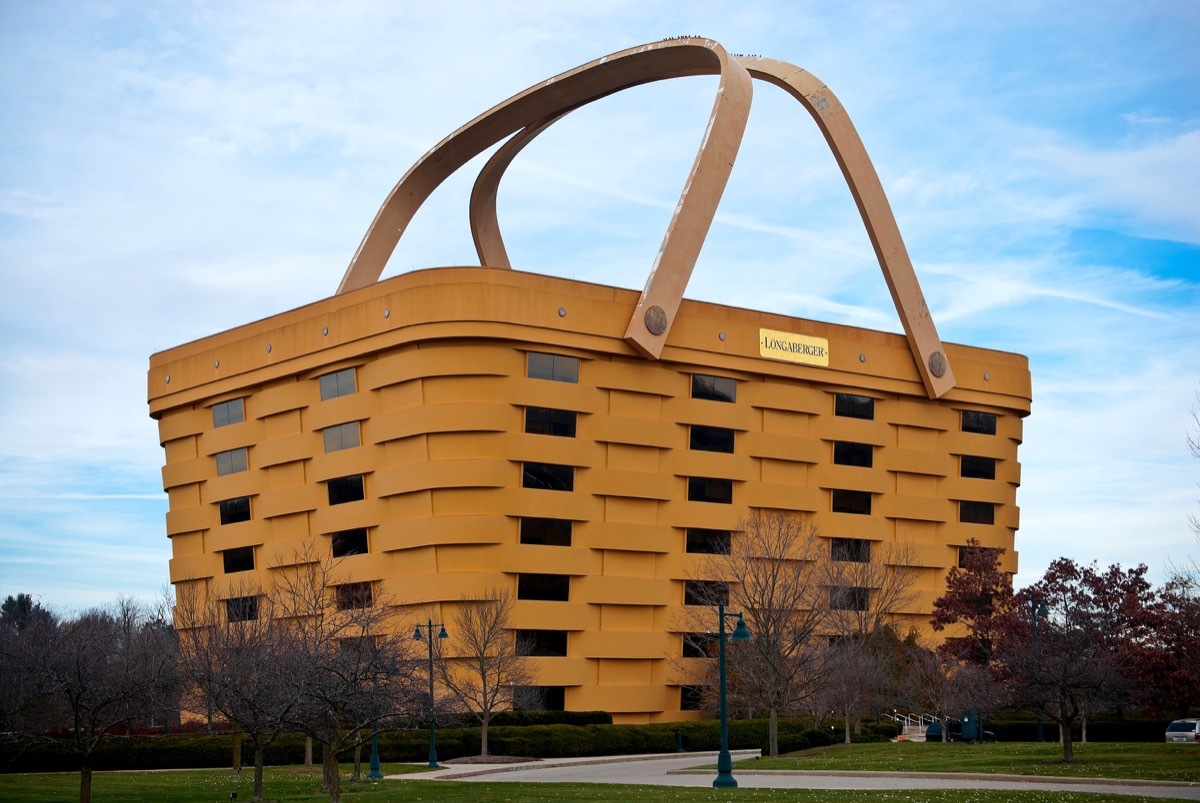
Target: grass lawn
[{"x": 1142, "y": 761}]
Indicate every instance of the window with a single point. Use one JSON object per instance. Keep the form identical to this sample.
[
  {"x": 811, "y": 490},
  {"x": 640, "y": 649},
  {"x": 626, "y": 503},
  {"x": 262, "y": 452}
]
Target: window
[
  {"x": 349, "y": 542},
  {"x": 546, "y": 532},
  {"x": 711, "y": 439},
  {"x": 846, "y": 453},
  {"x": 241, "y": 609},
  {"x": 226, "y": 413},
  {"x": 548, "y": 477},
  {"x": 699, "y": 645},
  {"x": 976, "y": 512},
  {"x": 975, "y": 421},
  {"x": 231, "y": 462},
  {"x": 555, "y": 367},
  {"x": 346, "y": 489},
  {"x": 358, "y": 645},
  {"x": 705, "y": 592},
  {"x": 708, "y": 542},
  {"x": 235, "y": 510},
  {"x": 979, "y": 468},
  {"x": 850, "y": 406},
  {"x": 339, "y": 383},
  {"x": 545, "y": 421},
  {"x": 341, "y": 436},
  {"x": 710, "y": 489},
  {"x": 353, "y": 595},
  {"x": 539, "y": 698},
  {"x": 850, "y": 550},
  {"x": 714, "y": 388},
  {"x": 542, "y": 643},
  {"x": 691, "y": 698},
  {"x": 849, "y": 598},
  {"x": 852, "y": 502},
  {"x": 238, "y": 560},
  {"x": 969, "y": 556},
  {"x": 552, "y": 587}
]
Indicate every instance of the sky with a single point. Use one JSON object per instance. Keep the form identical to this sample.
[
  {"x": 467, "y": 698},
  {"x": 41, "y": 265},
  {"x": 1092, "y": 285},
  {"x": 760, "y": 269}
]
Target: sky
[{"x": 169, "y": 170}]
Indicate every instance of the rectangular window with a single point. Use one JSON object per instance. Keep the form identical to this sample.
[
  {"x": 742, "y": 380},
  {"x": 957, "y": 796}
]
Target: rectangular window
[
  {"x": 846, "y": 453},
  {"x": 979, "y": 468},
  {"x": 346, "y": 489},
  {"x": 711, "y": 439},
  {"x": 705, "y": 592},
  {"x": 238, "y": 560},
  {"x": 546, "y": 421},
  {"x": 850, "y": 550},
  {"x": 231, "y": 462},
  {"x": 546, "y": 532},
  {"x": 850, "y": 406},
  {"x": 691, "y": 698},
  {"x": 852, "y": 502},
  {"x": 548, "y": 477},
  {"x": 975, "y": 421},
  {"x": 976, "y": 512},
  {"x": 714, "y": 388},
  {"x": 226, "y": 413},
  {"x": 341, "y": 436},
  {"x": 353, "y": 595},
  {"x": 552, "y": 587},
  {"x": 708, "y": 542},
  {"x": 349, "y": 542},
  {"x": 235, "y": 510},
  {"x": 542, "y": 643},
  {"x": 849, "y": 598},
  {"x": 699, "y": 645},
  {"x": 339, "y": 383},
  {"x": 555, "y": 367},
  {"x": 710, "y": 489},
  {"x": 241, "y": 609},
  {"x": 969, "y": 556},
  {"x": 539, "y": 698}
]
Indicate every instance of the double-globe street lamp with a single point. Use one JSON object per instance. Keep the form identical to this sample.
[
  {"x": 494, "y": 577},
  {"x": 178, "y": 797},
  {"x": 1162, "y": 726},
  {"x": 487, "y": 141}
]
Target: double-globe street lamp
[
  {"x": 725, "y": 779},
  {"x": 433, "y": 764}
]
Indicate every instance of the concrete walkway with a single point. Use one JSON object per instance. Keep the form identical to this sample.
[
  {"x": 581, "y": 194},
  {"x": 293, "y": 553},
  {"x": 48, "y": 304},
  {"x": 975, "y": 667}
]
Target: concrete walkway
[{"x": 679, "y": 769}]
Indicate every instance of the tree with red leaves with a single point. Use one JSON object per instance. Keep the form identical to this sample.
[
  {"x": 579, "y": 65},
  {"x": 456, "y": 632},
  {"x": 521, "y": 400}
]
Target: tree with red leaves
[{"x": 977, "y": 595}]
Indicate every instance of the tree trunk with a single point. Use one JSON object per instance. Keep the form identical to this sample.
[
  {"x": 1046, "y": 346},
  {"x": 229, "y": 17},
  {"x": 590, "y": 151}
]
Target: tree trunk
[
  {"x": 85, "y": 781},
  {"x": 773, "y": 733},
  {"x": 324, "y": 767},
  {"x": 308, "y": 752},
  {"x": 847, "y": 722},
  {"x": 1067, "y": 744},
  {"x": 335, "y": 778},
  {"x": 357, "y": 776},
  {"x": 483, "y": 729},
  {"x": 258, "y": 772}
]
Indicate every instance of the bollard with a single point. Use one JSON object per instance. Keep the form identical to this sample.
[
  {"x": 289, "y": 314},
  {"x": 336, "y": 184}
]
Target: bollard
[{"x": 678, "y": 741}]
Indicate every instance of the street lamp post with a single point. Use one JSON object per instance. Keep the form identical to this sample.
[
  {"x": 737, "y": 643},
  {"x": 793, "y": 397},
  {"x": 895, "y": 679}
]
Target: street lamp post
[
  {"x": 433, "y": 763},
  {"x": 375, "y": 774},
  {"x": 725, "y": 779},
  {"x": 1037, "y": 610}
]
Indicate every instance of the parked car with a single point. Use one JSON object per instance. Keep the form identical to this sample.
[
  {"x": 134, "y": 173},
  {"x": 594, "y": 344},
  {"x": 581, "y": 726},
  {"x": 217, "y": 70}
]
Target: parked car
[
  {"x": 1184, "y": 730},
  {"x": 953, "y": 732}
]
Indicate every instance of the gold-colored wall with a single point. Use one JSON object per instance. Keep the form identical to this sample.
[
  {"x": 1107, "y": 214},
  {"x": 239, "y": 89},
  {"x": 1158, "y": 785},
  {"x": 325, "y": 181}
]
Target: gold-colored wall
[{"x": 439, "y": 358}]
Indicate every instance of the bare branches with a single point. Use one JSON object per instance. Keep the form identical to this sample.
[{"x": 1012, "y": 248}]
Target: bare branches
[{"x": 867, "y": 593}]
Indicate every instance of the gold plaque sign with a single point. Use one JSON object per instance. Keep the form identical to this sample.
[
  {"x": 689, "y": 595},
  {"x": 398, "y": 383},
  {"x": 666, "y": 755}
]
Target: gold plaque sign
[{"x": 793, "y": 348}]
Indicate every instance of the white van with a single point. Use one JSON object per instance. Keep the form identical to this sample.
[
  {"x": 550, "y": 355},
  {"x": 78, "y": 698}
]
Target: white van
[{"x": 1184, "y": 730}]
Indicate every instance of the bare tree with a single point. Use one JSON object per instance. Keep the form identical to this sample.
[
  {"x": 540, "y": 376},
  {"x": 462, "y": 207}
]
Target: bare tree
[
  {"x": 867, "y": 588},
  {"x": 767, "y": 574},
  {"x": 488, "y": 661}
]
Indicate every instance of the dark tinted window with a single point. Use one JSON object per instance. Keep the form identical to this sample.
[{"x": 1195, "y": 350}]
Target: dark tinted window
[
  {"x": 553, "y": 587},
  {"x": 349, "y": 542},
  {"x": 699, "y": 645},
  {"x": 545, "y": 421},
  {"x": 967, "y": 555},
  {"x": 852, "y": 502},
  {"x": 851, "y": 406},
  {"x": 555, "y": 367},
  {"x": 849, "y": 598},
  {"x": 710, "y": 489},
  {"x": 975, "y": 421},
  {"x": 546, "y": 532},
  {"x": 231, "y": 462},
  {"x": 548, "y": 476},
  {"x": 235, "y": 510},
  {"x": 238, "y": 560},
  {"x": 691, "y": 698},
  {"x": 977, "y": 512},
  {"x": 714, "y": 388},
  {"x": 705, "y": 592},
  {"x": 230, "y": 412},
  {"x": 547, "y": 643},
  {"x": 710, "y": 542},
  {"x": 353, "y": 595},
  {"x": 339, "y": 383},
  {"x": 241, "y": 609},
  {"x": 980, "y": 468},
  {"x": 539, "y": 698},
  {"x": 850, "y": 550},
  {"x": 711, "y": 439},
  {"x": 346, "y": 489},
  {"x": 846, "y": 453}
]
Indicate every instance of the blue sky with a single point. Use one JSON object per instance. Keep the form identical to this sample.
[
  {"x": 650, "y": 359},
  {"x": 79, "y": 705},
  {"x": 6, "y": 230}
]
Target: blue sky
[{"x": 169, "y": 170}]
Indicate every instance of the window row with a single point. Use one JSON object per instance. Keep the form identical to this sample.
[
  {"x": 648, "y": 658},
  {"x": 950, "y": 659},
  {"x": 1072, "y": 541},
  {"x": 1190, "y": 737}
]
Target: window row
[{"x": 348, "y": 596}]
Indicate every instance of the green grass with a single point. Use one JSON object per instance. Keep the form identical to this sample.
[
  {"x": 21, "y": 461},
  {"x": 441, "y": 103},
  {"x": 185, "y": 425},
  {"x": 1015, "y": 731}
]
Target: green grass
[{"x": 1141, "y": 761}]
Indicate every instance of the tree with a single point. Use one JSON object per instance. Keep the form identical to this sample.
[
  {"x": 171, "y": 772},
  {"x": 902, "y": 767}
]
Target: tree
[
  {"x": 21, "y": 611},
  {"x": 867, "y": 589},
  {"x": 977, "y": 594},
  {"x": 489, "y": 662},
  {"x": 1168, "y": 682}
]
